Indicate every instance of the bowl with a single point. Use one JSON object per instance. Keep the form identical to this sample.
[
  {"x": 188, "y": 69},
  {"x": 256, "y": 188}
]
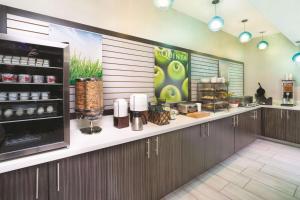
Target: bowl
[
  {"x": 234, "y": 105},
  {"x": 13, "y": 96},
  {"x": 51, "y": 79},
  {"x": 35, "y": 95},
  {"x": 38, "y": 79}
]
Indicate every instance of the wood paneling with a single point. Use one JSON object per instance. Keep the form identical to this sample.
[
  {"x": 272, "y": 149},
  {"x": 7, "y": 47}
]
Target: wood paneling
[
  {"x": 126, "y": 172},
  {"x": 193, "y": 147},
  {"x": 25, "y": 184},
  {"x": 274, "y": 121},
  {"x": 79, "y": 177},
  {"x": 293, "y": 126}
]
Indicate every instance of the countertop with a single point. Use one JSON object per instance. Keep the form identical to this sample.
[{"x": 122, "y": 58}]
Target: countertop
[{"x": 111, "y": 136}]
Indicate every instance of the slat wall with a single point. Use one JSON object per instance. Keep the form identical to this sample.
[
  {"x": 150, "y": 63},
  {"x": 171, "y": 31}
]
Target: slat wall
[
  {"x": 236, "y": 79},
  {"x": 202, "y": 67},
  {"x": 128, "y": 66}
]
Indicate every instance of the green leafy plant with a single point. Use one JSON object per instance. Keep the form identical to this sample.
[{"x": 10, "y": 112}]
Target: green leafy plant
[{"x": 84, "y": 68}]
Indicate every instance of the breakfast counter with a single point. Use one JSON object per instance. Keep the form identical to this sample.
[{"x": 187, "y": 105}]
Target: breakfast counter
[{"x": 111, "y": 136}]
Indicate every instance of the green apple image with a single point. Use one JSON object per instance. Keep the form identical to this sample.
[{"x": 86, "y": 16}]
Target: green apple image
[
  {"x": 185, "y": 87},
  {"x": 176, "y": 71},
  {"x": 163, "y": 56},
  {"x": 171, "y": 93},
  {"x": 159, "y": 77}
]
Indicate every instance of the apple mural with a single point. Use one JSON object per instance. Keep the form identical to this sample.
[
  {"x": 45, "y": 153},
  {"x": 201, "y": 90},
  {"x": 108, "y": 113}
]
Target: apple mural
[
  {"x": 185, "y": 87},
  {"x": 159, "y": 77},
  {"x": 163, "y": 56},
  {"x": 171, "y": 93},
  {"x": 176, "y": 71}
]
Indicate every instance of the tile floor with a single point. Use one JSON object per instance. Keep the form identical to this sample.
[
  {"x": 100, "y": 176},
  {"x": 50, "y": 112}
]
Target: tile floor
[{"x": 263, "y": 170}]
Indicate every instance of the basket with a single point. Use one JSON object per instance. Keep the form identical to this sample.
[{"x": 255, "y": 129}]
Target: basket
[{"x": 159, "y": 118}]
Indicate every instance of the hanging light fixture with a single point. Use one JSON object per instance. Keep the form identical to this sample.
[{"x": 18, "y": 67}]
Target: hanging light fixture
[
  {"x": 245, "y": 36},
  {"x": 296, "y": 56},
  {"x": 216, "y": 23},
  {"x": 263, "y": 44},
  {"x": 163, "y": 4}
]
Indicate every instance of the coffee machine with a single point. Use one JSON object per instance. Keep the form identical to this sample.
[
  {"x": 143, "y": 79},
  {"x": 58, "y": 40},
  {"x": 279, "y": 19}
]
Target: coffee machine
[
  {"x": 138, "y": 105},
  {"x": 288, "y": 93}
]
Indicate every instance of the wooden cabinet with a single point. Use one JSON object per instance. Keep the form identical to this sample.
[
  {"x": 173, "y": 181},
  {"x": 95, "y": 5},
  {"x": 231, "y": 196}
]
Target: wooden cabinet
[
  {"x": 293, "y": 126},
  {"x": 246, "y": 125},
  {"x": 79, "y": 177},
  {"x": 168, "y": 163},
  {"x": 193, "y": 156},
  {"x": 258, "y": 124},
  {"x": 274, "y": 121},
  {"x": 212, "y": 142},
  {"x": 127, "y": 177},
  {"x": 25, "y": 184}
]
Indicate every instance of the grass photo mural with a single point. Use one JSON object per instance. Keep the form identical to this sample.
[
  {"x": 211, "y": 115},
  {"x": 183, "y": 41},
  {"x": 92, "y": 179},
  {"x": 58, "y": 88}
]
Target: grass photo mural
[{"x": 171, "y": 75}]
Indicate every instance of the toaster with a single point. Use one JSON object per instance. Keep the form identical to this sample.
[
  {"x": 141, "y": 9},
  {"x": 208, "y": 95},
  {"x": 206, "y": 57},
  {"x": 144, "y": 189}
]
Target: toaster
[{"x": 185, "y": 108}]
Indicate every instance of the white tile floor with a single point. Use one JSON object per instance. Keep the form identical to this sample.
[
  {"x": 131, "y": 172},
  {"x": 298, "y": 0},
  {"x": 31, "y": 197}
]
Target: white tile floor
[{"x": 263, "y": 170}]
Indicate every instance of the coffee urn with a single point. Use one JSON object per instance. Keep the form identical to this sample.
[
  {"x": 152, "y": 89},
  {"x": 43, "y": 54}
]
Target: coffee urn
[
  {"x": 121, "y": 118},
  {"x": 138, "y": 105}
]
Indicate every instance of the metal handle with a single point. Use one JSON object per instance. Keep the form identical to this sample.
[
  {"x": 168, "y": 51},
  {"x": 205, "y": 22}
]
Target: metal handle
[
  {"x": 37, "y": 183},
  {"x": 233, "y": 121},
  {"x": 208, "y": 131},
  {"x": 287, "y": 115},
  {"x": 281, "y": 114},
  {"x": 237, "y": 120},
  {"x": 58, "y": 177},
  {"x": 157, "y": 144},
  {"x": 148, "y": 148}
]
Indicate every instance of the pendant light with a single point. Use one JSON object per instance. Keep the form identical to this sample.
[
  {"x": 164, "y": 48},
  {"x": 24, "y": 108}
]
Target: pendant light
[
  {"x": 216, "y": 23},
  {"x": 163, "y": 4},
  {"x": 263, "y": 44},
  {"x": 296, "y": 56},
  {"x": 245, "y": 36}
]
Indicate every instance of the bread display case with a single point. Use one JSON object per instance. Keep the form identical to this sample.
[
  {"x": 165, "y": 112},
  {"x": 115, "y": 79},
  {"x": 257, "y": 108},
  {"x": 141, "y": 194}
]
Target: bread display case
[
  {"x": 34, "y": 96},
  {"x": 213, "y": 96}
]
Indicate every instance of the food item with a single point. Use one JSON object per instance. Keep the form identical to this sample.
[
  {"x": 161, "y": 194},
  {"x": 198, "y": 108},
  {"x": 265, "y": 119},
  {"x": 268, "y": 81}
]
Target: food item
[
  {"x": 3, "y": 96},
  {"x": 38, "y": 79},
  {"x": 159, "y": 77},
  {"x": 93, "y": 99},
  {"x": 19, "y": 112},
  {"x": 51, "y": 79},
  {"x": 30, "y": 111},
  {"x": 185, "y": 87},
  {"x": 208, "y": 97},
  {"x": 8, "y": 113},
  {"x": 45, "y": 95},
  {"x": 163, "y": 56},
  {"x": 24, "y": 96},
  {"x": 13, "y": 96},
  {"x": 35, "y": 95},
  {"x": 171, "y": 93},
  {"x": 40, "y": 111},
  {"x": 49, "y": 109},
  {"x": 9, "y": 78},
  {"x": 80, "y": 94},
  {"x": 176, "y": 71},
  {"x": 24, "y": 78}
]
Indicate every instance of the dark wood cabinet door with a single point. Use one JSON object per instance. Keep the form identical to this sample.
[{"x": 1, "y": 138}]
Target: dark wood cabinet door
[
  {"x": 25, "y": 184},
  {"x": 212, "y": 142},
  {"x": 258, "y": 124},
  {"x": 193, "y": 146},
  {"x": 293, "y": 126},
  {"x": 78, "y": 178},
  {"x": 225, "y": 131},
  {"x": 274, "y": 121},
  {"x": 126, "y": 171},
  {"x": 169, "y": 163},
  {"x": 244, "y": 130}
]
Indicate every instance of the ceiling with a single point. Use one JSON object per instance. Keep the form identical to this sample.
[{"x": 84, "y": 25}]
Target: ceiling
[{"x": 233, "y": 11}]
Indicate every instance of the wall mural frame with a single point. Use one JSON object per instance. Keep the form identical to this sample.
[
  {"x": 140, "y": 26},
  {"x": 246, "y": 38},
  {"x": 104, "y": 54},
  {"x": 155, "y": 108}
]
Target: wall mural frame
[{"x": 4, "y": 10}]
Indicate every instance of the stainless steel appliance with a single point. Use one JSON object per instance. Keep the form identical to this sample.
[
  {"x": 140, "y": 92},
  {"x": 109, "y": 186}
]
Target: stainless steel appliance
[
  {"x": 185, "y": 108},
  {"x": 244, "y": 101},
  {"x": 138, "y": 105},
  {"x": 288, "y": 93},
  {"x": 33, "y": 125}
]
